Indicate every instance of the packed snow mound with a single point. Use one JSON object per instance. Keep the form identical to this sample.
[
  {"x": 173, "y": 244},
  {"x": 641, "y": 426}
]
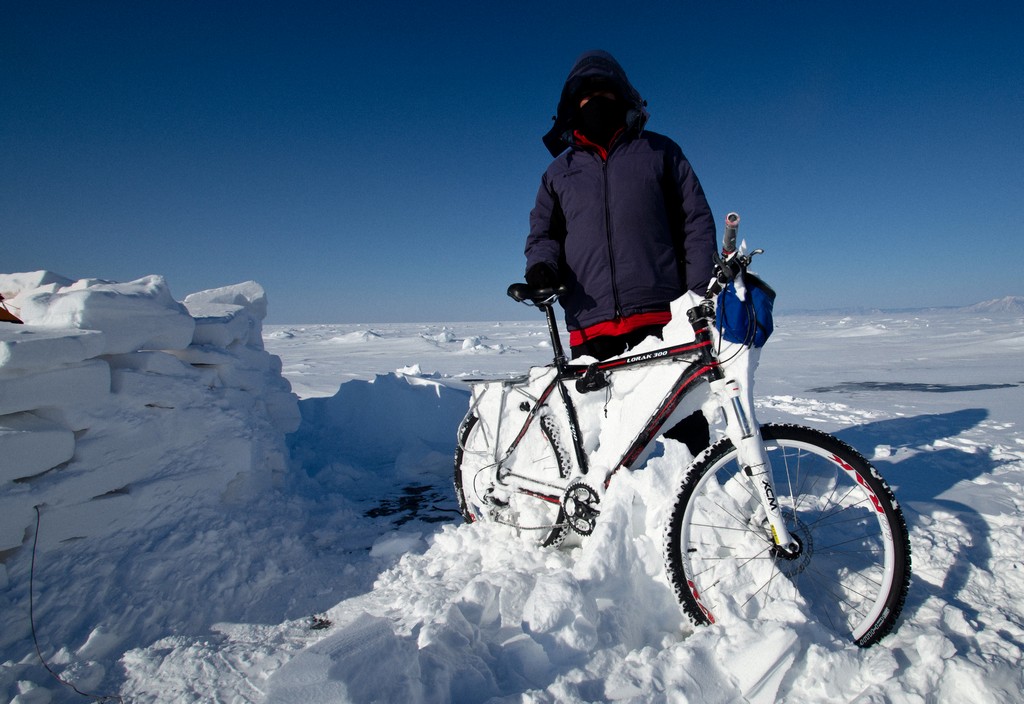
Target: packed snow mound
[
  {"x": 158, "y": 321},
  {"x": 119, "y": 405},
  {"x": 377, "y": 423},
  {"x": 358, "y": 336}
]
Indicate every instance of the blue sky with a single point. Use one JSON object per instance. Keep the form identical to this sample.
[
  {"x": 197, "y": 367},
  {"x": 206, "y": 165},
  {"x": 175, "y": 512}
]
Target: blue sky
[{"x": 377, "y": 162}]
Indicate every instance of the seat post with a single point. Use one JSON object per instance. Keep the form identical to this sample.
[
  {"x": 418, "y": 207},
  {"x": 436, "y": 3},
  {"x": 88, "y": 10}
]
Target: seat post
[
  {"x": 562, "y": 365},
  {"x": 556, "y": 342}
]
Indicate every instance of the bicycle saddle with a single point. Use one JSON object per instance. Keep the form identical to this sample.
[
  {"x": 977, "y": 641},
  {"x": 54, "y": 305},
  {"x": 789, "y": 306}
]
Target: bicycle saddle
[{"x": 537, "y": 296}]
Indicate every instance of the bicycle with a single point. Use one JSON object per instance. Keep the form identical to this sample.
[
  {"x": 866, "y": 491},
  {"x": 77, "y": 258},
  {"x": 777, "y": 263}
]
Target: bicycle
[{"x": 768, "y": 511}]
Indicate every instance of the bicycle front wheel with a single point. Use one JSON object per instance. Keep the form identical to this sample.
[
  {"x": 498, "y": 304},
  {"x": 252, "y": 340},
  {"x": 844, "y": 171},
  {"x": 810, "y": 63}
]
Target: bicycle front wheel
[
  {"x": 852, "y": 571},
  {"x": 528, "y": 495}
]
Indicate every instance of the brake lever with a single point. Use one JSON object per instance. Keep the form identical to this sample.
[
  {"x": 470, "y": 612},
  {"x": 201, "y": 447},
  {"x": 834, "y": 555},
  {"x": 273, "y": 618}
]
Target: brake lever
[{"x": 728, "y": 268}]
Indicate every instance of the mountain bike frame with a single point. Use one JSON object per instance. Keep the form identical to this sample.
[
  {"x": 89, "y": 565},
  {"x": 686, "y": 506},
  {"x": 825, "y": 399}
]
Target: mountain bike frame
[{"x": 703, "y": 365}]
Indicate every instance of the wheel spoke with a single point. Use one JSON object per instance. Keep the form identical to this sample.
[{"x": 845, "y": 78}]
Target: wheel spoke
[
  {"x": 520, "y": 486},
  {"x": 851, "y": 568}
]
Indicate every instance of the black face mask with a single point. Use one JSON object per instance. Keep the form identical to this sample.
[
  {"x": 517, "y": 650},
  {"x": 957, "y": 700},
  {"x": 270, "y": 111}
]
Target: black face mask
[{"x": 600, "y": 118}]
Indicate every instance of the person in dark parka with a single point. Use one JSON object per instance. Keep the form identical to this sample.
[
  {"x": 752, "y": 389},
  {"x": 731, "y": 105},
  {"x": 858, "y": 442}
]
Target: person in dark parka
[{"x": 620, "y": 217}]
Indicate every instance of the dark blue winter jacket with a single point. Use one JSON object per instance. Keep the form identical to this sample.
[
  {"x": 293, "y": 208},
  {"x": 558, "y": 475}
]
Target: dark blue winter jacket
[{"x": 629, "y": 234}]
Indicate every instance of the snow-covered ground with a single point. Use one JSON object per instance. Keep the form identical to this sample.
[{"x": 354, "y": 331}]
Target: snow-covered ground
[{"x": 348, "y": 576}]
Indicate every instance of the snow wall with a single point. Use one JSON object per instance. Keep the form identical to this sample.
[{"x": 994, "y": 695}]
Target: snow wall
[{"x": 121, "y": 407}]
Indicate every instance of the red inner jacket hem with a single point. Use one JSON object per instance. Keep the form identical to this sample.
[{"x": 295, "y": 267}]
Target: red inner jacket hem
[{"x": 619, "y": 326}]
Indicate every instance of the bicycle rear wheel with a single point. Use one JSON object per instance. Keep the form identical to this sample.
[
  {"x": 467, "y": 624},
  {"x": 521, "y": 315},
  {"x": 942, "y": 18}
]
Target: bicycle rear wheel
[
  {"x": 853, "y": 569},
  {"x": 529, "y": 495}
]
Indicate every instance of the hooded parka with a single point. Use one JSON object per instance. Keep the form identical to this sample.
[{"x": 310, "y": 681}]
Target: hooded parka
[{"x": 629, "y": 232}]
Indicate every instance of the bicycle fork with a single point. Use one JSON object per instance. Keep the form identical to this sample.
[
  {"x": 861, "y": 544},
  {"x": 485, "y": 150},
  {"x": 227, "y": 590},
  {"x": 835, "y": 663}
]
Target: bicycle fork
[{"x": 746, "y": 436}]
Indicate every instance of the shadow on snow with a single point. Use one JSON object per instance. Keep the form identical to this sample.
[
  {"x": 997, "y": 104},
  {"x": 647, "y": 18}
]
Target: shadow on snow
[{"x": 920, "y": 480}]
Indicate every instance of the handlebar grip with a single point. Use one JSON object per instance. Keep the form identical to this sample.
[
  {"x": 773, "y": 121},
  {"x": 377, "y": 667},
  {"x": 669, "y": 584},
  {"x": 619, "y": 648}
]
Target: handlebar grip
[{"x": 732, "y": 224}]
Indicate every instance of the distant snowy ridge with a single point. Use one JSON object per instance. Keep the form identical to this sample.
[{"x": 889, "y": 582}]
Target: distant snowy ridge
[
  {"x": 1007, "y": 304},
  {"x": 120, "y": 405}
]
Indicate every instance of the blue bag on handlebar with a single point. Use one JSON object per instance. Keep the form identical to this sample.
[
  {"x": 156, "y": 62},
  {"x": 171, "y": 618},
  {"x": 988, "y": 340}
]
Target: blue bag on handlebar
[{"x": 746, "y": 320}]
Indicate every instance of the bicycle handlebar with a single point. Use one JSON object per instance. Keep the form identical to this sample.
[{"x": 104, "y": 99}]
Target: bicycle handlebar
[{"x": 728, "y": 266}]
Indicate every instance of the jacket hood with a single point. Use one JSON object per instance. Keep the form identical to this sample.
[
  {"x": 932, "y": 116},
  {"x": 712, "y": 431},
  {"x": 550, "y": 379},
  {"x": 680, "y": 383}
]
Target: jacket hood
[{"x": 593, "y": 69}]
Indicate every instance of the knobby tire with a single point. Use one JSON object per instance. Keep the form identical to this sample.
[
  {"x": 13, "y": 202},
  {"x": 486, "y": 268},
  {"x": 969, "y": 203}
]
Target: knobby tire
[
  {"x": 473, "y": 476},
  {"x": 853, "y": 570}
]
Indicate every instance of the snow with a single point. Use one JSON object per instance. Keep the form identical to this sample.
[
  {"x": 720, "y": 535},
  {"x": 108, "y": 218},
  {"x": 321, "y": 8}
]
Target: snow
[
  {"x": 255, "y": 513},
  {"x": 114, "y": 403}
]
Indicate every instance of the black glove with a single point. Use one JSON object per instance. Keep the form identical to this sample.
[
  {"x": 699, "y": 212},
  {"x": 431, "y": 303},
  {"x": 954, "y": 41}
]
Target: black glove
[{"x": 542, "y": 276}]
